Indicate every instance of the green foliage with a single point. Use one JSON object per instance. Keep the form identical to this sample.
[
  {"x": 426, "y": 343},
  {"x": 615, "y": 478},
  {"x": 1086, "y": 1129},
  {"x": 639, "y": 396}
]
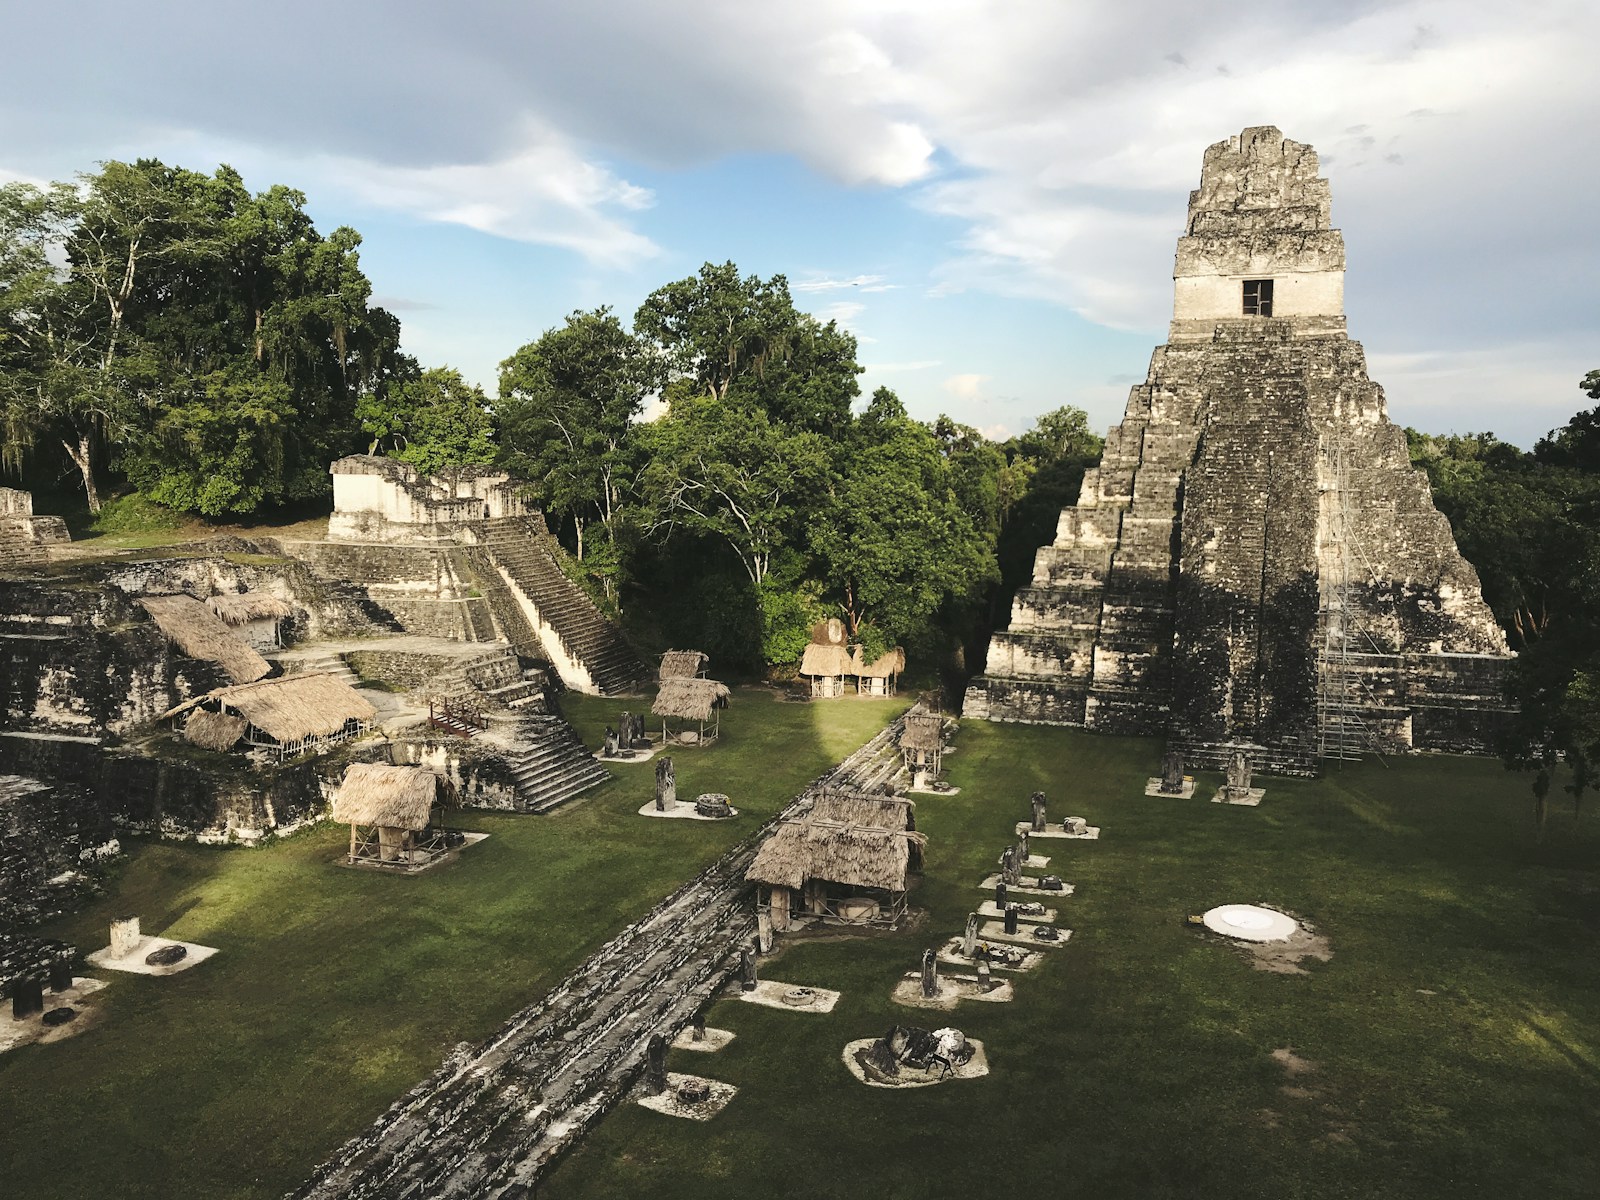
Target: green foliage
[
  {"x": 435, "y": 420},
  {"x": 133, "y": 514}
]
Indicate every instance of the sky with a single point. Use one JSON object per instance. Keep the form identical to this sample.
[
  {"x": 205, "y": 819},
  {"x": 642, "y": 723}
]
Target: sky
[{"x": 988, "y": 195}]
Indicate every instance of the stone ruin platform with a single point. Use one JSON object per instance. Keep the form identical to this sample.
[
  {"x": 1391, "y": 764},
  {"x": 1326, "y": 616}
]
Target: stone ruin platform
[
  {"x": 1037, "y": 862},
  {"x": 1090, "y": 834},
  {"x": 638, "y": 756},
  {"x": 990, "y": 909},
  {"x": 1250, "y": 799},
  {"x": 934, "y": 791},
  {"x": 33, "y": 1031},
  {"x": 1152, "y": 787},
  {"x": 951, "y": 953},
  {"x": 681, "y": 810},
  {"x": 770, "y": 994},
  {"x": 714, "y": 1040},
  {"x": 1028, "y": 885},
  {"x": 134, "y": 961},
  {"x": 667, "y": 1102},
  {"x": 974, "y": 1068},
  {"x": 995, "y": 931},
  {"x": 953, "y": 989}
]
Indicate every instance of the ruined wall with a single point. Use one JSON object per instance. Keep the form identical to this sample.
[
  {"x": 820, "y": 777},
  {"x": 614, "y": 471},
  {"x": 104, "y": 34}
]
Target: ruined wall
[
  {"x": 1254, "y": 497},
  {"x": 53, "y": 838}
]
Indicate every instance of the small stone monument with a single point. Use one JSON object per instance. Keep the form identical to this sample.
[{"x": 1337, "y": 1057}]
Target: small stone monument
[
  {"x": 637, "y": 738},
  {"x": 125, "y": 937},
  {"x": 1237, "y": 789},
  {"x": 1010, "y": 867},
  {"x": 610, "y": 749},
  {"x": 747, "y": 969},
  {"x": 763, "y": 930},
  {"x": 930, "y": 974},
  {"x": 1037, "y": 803},
  {"x": 969, "y": 939},
  {"x": 697, "y": 1027},
  {"x": 713, "y": 804},
  {"x": 666, "y": 785},
  {"x": 655, "y": 1065},
  {"x": 1011, "y": 918},
  {"x": 1000, "y": 894},
  {"x": 985, "y": 977},
  {"x": 1075, "y": 826},
  {"x": 1172, "y": 773},
  {"x": 1024, "y": 849}
]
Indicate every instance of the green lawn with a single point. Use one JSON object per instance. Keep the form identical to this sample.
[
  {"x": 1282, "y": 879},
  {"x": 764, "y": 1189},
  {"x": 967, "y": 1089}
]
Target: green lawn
[
  {"x": 1455, "y": 1032},
  {"x": 336, "y": 990}
]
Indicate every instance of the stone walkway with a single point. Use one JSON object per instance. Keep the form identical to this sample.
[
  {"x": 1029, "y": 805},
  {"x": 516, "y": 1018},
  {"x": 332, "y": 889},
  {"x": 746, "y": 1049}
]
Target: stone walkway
[{"x": 492, "y": 1119}]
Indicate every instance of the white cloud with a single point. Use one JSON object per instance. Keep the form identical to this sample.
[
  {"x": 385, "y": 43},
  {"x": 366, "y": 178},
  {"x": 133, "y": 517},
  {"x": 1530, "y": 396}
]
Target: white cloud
[
  {"x": 867, "y": 283},
  {"x": 965, "y": 387},
  {"x": 995, "y": 433}
]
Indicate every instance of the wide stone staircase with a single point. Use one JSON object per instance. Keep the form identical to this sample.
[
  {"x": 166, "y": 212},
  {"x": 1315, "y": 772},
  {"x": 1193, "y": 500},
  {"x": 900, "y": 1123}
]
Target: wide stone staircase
[
  {"x": 523, "y": 549},
  {"x": 549, "y": 763}
]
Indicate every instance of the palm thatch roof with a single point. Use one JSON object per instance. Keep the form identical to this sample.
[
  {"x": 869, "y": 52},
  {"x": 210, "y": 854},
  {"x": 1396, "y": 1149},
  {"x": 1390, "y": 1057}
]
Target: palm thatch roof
[
  {"x": 682, "y": 664},
  {"x": 822, "y": 658},
  {"x": 243, "y": 607},
  {"x": 390, "y": 797},
  {"x": 690, "y": 699},
  {"x": 214, "y": 730},
  {"x": 290, "y": 708},
  {"x": 196, "y": 631},
  {"x": 860, "y": 808},
  {"x": 853, "y": 855},
  {"x": 892, "y": 662},
  {"x": 923, "y": 731}
]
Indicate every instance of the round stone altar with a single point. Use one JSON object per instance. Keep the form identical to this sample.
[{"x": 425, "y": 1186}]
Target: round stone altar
[{"x": 1251, "y": 923}]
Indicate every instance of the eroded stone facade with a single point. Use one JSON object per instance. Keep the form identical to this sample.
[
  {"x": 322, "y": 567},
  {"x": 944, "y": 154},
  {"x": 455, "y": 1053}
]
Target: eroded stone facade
[{"x": 1254, "y": 552}]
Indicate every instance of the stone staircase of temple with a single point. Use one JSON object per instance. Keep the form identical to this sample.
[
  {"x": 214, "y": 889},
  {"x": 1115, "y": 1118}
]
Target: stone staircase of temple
[
  {"x": 523, "y": 550},
  {"x": 549, "y": 764}
]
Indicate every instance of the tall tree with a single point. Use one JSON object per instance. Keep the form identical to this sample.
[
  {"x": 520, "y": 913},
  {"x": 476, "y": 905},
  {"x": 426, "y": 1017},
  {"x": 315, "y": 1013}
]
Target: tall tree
[
  {"x": 567, "y": 404},
  {"x": 432, "y": 421}
]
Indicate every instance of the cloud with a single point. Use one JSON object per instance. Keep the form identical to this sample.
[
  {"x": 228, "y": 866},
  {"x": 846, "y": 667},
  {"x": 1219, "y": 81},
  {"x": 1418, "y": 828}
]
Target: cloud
[
  {"x": 965, "y": 387},
  {"x": 867, "y": 283}
]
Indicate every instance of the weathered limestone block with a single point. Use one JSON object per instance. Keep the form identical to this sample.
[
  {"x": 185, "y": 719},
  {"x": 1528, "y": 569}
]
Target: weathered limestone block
[{"x": 1254, "y": 508}]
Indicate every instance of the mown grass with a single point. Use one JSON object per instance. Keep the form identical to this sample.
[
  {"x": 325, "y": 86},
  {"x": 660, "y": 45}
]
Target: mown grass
[
  {"x": 335, "y": 990},
  {"x": 1455, "y": 1031}
]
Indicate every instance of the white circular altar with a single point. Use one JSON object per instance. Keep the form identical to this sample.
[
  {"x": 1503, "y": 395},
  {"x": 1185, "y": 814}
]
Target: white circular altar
[{"x": 1251, "y": 923}]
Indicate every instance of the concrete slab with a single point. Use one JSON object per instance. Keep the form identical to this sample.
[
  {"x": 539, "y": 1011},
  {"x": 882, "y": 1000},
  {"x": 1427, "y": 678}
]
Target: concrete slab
[
  {"x": 667, "y": 1102},
  {"x": 974, "y": 1068},
  {"x": 679, "y": 810},
  {"x": 994, "y": 931},
  {"x": 32, "y": 1030},
  {"x": 134, "y": 962},
  {"x": 1250, "y": 799},
  {"x": 714, "y": 1040},
  {"x": 953, "y": 989},
  {"x": 990, "y": 909},
  {"x": 1036, "y": 862},
  {"x": 1092, "y": 833},
  {"x": 1030, "y": 885},
  {"x": 772, "y": 994},
  {"x": 1152, "y": 787},
  {"x": 951, "y": 953}
]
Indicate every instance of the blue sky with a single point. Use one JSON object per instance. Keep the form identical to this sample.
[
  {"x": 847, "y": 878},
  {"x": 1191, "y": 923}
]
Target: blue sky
[{"x": 987, "y": 194}]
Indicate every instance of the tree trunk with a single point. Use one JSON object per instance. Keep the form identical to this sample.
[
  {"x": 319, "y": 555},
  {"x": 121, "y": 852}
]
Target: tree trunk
[
  {"x": 81, "y": 459},
  {"x": 577, "y": 523}
]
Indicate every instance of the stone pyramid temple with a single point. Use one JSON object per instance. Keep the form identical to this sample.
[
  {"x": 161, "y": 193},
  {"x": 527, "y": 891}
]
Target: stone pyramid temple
[{"x": 1255, "y": 562}]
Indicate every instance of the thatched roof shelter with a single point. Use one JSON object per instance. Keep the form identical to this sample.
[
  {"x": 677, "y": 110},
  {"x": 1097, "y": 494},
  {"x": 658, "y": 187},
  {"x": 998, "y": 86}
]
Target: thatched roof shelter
[
  {"x": 885, "y": 666},
  {"x": 857, "y": 856},
  {"x": 198, "y": 632},
  {"x": 385, "y": 796},
  {"x": 214, "y": 730},
  {"x": 682, "y": 664},
  {"x": 923, "y": 731},
  {"x": 860, "y": 808},
  {"x": 822, "y": 658},
  {"x": 291, "y": 708},
  {"x": 690, "y": 699},
  {"x": 243, "y": 607}
]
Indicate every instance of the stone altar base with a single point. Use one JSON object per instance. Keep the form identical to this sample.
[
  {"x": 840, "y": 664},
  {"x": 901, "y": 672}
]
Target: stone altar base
[
  {"x": 973, "y": 1068},
  {"x": 990, "y": 909},
  {"x": 995, "y": 931},
  {"x": 714, "y": 1040},
  {"x": 1152, "y": 787},
  {"x": 1250, "y": 799},
  {"x": 1030, "y": 885},
  {"x": 935, "y": 791},
  {"x": 667, "y": 1102},
  {"x": 682, "y": 810},
  {"x": 133, "y": 962},
  {"x": 1037, "y": 862},
  {"x": 770, "y": 993},
  {"x": 1090, "y": 834},
  {"x": 953, "y": 989},
  {"x": 951, "y": 953},
  {"x": 33, "y": 1030},
  {"x": 639, "y": 756}
]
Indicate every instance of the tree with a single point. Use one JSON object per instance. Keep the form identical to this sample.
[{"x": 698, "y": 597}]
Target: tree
[
  {"x": 732, "y": 473},
  {"x": 895, "y": 539},
  {"x": 567, "y": 404},
  {"x": 435, "y": 420},
  {"x": 741, "y": 340}
]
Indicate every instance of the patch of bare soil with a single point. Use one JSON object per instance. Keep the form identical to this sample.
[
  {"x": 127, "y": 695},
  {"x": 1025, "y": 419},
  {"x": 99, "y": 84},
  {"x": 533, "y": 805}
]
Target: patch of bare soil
[{"x": 1285, "y": 957}]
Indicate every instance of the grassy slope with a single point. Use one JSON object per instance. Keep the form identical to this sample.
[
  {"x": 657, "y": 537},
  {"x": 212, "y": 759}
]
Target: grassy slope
[
  {"x": 1136, "y": 1062},
  {"x": 336, "y": 990}
]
